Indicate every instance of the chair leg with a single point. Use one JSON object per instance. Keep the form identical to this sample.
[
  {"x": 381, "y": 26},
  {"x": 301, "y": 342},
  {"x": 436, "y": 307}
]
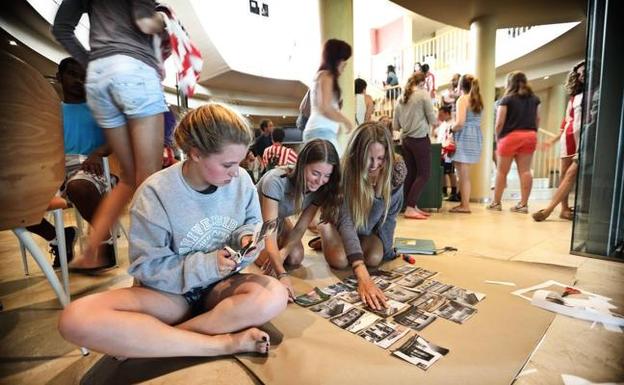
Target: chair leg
[
  {"x": 26, "y": 239},
  {"x": 62, "y": 246},
  {"x": 24, "y": 259},
  {"x": 80, "y": 226}
]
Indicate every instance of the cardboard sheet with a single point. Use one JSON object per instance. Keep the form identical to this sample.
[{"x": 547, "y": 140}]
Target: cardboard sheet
[{"x": 489, "y": 348}]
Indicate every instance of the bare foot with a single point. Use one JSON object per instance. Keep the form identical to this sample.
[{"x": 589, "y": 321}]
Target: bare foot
[
  {"x": 90, "y": 259},
  {"x": 250, "y": 340},
  {"x": 412, "y": 213},
  {"x": 421, "y": 212}
]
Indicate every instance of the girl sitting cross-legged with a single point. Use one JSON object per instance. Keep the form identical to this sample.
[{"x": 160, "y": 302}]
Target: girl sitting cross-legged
[{"x": 191, "y": 300}]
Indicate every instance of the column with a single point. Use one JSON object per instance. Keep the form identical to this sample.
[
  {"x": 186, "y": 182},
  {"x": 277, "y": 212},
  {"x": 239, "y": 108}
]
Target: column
[
  {"x": 336, "y": 18},
  {"x": 483, "y": 39}
]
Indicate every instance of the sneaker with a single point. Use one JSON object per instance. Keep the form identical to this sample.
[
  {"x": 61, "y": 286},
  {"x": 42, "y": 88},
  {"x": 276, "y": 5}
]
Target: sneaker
[
  {"x": 453, "y": 198},
  {"x": 494, "y": 206},
  {"x": 70, "y": 241},
  {"x": 108, "y": 249},
  {"x": 518, "y": 208}
]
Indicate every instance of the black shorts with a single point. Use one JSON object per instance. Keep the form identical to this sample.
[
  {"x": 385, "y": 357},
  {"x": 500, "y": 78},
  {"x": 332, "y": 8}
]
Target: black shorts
[
  {"x": 448, "y": 167},
  {"x": 195, "y": 297}
]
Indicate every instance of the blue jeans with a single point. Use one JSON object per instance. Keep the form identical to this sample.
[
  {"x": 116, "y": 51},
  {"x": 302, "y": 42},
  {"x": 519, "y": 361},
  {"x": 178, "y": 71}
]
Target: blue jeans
[{"x": 120, "y": 88}]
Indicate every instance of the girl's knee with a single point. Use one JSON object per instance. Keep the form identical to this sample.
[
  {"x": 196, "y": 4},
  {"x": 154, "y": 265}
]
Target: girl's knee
[
  {"x": 373, "y": 260},
  {"x": 295, "y": 258},
  {"x": 74, "y": 322},
  {"x": 272, "y": 300},
  {"x": 338, "y": 263}
]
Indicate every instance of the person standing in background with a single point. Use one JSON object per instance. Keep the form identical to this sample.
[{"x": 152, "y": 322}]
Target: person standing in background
[
  {"x": 124, "y": 94},
  {"x": 414, "y": 116},
  {"x": 326, "y": 95},
  {"x": 468, "y": 137},
  {"x": 363, "y": 103},
  {"x": 517, "y": 120}
]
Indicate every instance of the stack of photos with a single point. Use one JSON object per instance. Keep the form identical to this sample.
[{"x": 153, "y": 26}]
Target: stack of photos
[
  {"x": 428, "y": 301},
  {"x": 392, "y": 307},
  {"x": 400, "y": 294},
  {"x": 414, "y": 301},
  {"x": 331, "y": 308},
  {"x": 455, "y": 311},
  {"x": 383, "y": 333},
  {"x": 354, "y": 320},
  {"x": 420, "y": 352},
  {"x": 312, "y": 298},
  {"x": 414, "y": 318},
  {"x": 464, "y": 296}
]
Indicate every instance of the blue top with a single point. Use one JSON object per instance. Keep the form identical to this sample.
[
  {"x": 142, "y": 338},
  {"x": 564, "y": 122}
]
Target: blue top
[{"x": 81, "y": 133}]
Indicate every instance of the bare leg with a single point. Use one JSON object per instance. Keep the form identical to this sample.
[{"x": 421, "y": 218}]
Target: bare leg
[
  {"x": 523, "y": 161},
  {"x": 463, "y": 171},
  {"x": 562, "y": 191},
  {"x": 333, "y": 248},
  {"x": 502, "y": 169},
  {"x": 565, "y": 164},
  {"x": 138, "y": 147},
  {"x": 372, "y": 249},
  {"x": 85, "y": 196},
  {"x": 294, "y": 259},
  {"x": 136, "y": 322},
  {"x": 239, "y": 302}
]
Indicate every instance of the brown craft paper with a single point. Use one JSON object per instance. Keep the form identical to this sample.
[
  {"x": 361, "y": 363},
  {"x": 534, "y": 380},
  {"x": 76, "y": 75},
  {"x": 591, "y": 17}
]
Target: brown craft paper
[{"x": 489, "y": 348}]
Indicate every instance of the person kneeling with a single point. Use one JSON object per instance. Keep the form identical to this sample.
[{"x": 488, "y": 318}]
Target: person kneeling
[{"x": 191, "y": 301}]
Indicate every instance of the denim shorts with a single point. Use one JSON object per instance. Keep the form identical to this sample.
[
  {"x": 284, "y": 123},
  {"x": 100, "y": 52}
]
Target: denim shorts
[{"x": 120, "y": 87}]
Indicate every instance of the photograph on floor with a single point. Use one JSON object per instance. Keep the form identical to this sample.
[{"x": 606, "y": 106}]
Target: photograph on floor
[
  {"x": 383, "y": 333},
  {"x": 415, "y": 318},
  {"x": 420, "y": 352}
]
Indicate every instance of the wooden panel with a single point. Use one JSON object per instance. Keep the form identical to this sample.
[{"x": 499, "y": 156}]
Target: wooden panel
[{"x": 32, "y": 167}]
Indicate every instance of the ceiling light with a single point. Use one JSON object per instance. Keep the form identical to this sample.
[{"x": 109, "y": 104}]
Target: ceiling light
[
  {"x": 546, "y": 77},
  {"x": 283, "y": 116},
  {"x": 12, "y": 42}
]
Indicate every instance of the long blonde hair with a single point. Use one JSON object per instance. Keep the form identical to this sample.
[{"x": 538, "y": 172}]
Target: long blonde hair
[
  {"x": 413, "y": 81},
  {"x": 357, "y": 189}
]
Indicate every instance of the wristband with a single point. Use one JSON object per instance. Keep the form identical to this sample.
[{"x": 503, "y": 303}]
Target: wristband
[{"x": 282, "y": 275}]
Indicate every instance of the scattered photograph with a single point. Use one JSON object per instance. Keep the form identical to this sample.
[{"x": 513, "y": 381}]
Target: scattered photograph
[
  {"x": 424, "y": 273},
  {"x": 331, "y": 308},
  {"x": 404, "y": 269},
  {"x": 428, "y": 301},
  {"x": 420, "y": 352},
  {"x": 392, "y": 307},
  {"x": 351, "y": 282},
  {"x": 336, "y": 288},
  {"x": 414, "y": 318},
  {"x": 434, "y": 286},
  {"x": 400, "y": 294},
  {"x": 387, "y": 275},
  {"x": 455, "y": 311},
  {"x": 381, "y": 283},
  {"x": 383, "y": 333},
  {"x": 354, "y": 320},
  {"x": 464, "y": 296},
  {"x": 312, "y": 298},
  {"x": 410, "y": 281},
  {"x": 352, "y": 297}
]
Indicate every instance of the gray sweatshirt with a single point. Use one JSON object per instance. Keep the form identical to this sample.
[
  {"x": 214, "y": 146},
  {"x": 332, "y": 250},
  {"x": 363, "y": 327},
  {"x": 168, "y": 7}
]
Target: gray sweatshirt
[
  {"x": 376, "y": 224},
  {"x": 175, "y": 231},
  {"x": 415, "y": 117}
]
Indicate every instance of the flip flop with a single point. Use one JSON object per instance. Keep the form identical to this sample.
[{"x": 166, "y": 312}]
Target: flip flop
[
  {"x": 459, "y": 210},
  {"x": 415, "y": 216}
]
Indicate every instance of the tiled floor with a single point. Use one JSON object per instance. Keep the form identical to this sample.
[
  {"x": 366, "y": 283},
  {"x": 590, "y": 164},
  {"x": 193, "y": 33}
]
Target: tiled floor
[{"x": 32, "y": 351}]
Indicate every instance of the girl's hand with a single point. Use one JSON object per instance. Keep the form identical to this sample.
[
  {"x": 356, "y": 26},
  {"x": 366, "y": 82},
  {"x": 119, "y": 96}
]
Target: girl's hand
[
  {"x": 224, "y": 263},
  {"x": 371, "y": 295},
  {"x": 285, "y": 280}
]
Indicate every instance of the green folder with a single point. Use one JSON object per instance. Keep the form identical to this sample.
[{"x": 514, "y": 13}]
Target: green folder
[{"x": 415, "y": 246}]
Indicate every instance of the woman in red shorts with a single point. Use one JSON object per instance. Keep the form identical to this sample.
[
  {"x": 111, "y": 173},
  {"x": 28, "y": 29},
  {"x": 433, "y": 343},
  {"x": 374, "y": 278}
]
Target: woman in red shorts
[{"x": 517, "y": 119}]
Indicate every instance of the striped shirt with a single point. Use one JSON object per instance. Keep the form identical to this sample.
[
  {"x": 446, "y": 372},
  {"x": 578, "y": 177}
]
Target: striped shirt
[{"x": 282, "y": 154}]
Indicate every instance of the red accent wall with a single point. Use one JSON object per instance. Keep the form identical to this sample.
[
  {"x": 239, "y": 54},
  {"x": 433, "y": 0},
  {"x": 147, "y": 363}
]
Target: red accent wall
[{"x": 387, "y": 37}]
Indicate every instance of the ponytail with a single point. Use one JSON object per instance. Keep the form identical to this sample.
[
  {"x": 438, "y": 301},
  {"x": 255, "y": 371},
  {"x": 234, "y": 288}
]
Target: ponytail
[
  {"x": 470, "y": 85},
  {"x": 413, "y": 81}
]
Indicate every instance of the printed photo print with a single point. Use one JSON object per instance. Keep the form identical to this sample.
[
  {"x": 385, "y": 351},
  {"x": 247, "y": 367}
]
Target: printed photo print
[{"x": 383, "y": 333}]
